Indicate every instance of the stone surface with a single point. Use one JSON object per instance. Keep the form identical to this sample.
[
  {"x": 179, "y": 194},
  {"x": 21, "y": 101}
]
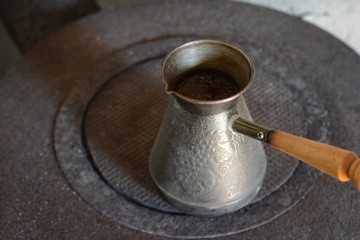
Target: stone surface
[
  {"x": 339, "y": 18},
  {"x": 38, "y": 200},
  {"x": 30, "y": 21}
]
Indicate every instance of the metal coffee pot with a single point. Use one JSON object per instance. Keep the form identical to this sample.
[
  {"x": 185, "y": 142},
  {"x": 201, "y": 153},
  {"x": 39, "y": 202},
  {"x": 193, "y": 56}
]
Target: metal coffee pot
[{"x": 207, "y": 159}]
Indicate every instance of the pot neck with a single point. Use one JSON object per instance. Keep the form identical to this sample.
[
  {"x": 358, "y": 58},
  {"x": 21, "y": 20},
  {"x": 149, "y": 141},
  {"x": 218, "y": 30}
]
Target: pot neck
[{"x": 207, "y": 107}]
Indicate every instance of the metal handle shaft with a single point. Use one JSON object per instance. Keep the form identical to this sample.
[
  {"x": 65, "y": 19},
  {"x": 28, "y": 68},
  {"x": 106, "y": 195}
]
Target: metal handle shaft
[{"x": 339, "y": 163}]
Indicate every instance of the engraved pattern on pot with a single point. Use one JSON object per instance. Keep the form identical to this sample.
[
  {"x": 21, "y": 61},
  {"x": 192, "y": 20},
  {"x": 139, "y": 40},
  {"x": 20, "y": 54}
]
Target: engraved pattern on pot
[{"x": 207, "y": 155}]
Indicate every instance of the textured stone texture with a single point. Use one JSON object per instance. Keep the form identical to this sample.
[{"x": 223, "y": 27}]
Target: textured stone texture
[
  {"x": 339, "y": 18},
  {"x": 30, "y": 21},
  {"x": 37, "y": 200}
]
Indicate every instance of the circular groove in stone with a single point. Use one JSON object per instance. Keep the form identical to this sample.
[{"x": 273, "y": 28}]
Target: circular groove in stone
[
  {"x": 123, "y": 119},
  {"x": 73, "y": 158}
]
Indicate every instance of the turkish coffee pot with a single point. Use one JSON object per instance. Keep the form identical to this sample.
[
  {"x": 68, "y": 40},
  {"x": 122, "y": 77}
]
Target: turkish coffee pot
[{"x": 208, "y": 158}]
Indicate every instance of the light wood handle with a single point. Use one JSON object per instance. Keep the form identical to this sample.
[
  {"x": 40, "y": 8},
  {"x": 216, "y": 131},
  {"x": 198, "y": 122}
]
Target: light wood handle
[{"x": 338, "y": 163}]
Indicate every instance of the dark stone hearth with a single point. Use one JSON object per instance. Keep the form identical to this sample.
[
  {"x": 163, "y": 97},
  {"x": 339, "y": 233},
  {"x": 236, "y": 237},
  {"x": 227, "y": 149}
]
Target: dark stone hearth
[{"x": 79, "y": 113}]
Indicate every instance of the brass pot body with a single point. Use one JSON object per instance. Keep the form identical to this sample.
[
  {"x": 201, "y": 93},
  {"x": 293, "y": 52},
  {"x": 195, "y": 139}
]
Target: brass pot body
[{"x": 199, "y": 163}]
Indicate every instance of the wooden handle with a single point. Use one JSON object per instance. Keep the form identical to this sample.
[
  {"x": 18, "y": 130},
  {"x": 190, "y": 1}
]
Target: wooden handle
[{"x": 339, "y": 163}]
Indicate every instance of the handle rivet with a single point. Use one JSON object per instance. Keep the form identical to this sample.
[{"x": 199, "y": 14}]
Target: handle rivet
[{"x": 260, "y": 135}]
